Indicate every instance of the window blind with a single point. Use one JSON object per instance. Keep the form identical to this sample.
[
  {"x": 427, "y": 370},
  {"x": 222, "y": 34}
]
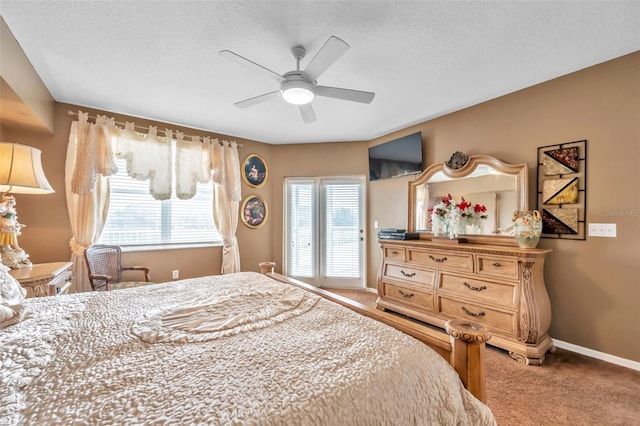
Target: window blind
[
  {"x": 301, "y": 228},
  {"x": 342, "y": 230},
  {"x": 136, "y": 218}
]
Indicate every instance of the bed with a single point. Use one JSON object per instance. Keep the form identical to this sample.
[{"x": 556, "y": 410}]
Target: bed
[{"x": 242, "y": 348}]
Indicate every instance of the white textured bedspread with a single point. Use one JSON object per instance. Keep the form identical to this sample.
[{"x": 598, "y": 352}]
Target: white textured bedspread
[{"x": 233, "y": 349}]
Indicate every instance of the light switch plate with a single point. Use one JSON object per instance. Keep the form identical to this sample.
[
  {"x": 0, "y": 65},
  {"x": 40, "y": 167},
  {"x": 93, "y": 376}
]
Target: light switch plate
[{"x": 602, "y": 230}]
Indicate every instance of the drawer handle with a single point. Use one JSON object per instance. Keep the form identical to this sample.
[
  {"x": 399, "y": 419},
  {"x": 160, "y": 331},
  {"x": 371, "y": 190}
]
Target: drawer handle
[
  {"x": 394, "y": 252},
  {"x": 496, "y": 265},
  {"x": 439, "y": 260},
  {"x": 473, "y": 314},
  {"x": 412, "y": 274},
  {"x": 403, "y": 294},
  {"x": 470, "y": 287}
]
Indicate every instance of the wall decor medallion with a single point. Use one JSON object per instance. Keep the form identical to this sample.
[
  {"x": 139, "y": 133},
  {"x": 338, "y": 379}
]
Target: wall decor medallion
[
  {"x": 254, "y": 171},
  {"x": 254, "y": 211},
  {"x": 562, "y": 190}
]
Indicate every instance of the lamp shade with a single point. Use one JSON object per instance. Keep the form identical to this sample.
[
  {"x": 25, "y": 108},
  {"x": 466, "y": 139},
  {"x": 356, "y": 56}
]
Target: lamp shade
[{"x": 21, "y": 170}]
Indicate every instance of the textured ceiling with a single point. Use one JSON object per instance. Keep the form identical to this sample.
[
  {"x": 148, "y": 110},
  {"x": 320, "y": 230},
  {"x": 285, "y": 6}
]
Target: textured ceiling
[{"x": 159, "y": 59}]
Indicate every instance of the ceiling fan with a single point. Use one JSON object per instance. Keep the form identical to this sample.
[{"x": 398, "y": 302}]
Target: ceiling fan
[{"x": 299, "y": 87}]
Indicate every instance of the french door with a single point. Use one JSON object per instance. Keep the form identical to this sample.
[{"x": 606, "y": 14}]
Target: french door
[{"x": 324, "y": 231}]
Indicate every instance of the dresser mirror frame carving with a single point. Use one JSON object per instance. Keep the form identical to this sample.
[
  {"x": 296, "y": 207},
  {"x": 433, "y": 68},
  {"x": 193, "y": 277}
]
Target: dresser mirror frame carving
[{"x": 482, "y": 179}]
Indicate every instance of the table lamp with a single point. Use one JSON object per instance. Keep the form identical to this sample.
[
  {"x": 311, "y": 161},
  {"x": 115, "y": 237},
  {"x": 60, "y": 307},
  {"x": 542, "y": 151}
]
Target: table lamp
[{"x": 20, "y": 173}]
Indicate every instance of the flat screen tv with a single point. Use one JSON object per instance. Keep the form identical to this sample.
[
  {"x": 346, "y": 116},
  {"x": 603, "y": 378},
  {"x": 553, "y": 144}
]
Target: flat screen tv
[{"x": 399, "y": 157}]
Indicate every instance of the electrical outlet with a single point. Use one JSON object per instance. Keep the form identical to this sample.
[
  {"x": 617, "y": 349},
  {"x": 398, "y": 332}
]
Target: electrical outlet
[
  {"x": 375, "y": 224},
  {"x": 602, "y": 230},
  {"x": 176, "y": 274}
]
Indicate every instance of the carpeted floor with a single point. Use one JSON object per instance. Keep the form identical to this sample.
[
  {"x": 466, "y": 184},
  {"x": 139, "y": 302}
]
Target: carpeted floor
[{"x": 569, "y": 389}]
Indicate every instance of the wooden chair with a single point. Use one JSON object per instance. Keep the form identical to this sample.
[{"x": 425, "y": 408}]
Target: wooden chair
[{"x": 105, "y": 268}]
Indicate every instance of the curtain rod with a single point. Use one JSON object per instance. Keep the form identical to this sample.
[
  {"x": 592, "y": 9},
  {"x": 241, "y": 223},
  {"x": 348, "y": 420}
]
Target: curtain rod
[{"x": 120, "y": 123}]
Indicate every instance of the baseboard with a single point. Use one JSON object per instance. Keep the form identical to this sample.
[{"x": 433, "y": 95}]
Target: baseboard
[
  {"x": 634, "y": 365},
  {"x": 372, "y": 290}
]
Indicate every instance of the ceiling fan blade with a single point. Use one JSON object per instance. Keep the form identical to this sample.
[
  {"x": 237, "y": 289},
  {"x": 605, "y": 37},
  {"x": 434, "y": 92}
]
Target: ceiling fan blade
[
  {"x": 258, "y": 99},
  {"x": 250, "y": 64},
  {"x": 326, "y": 56},
  {"x": 345, "y": 94},
  {"x": 308, "y": 116}
]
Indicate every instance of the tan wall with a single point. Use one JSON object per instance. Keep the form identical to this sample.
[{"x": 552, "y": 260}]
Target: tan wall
[
  {"x": 593, "y": 285},
  {"x": 324, "y": 159},
  {"x": 256, "y": 244}
]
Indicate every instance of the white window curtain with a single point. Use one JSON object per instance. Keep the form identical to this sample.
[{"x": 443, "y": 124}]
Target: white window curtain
[
  {"x": 90, "y": 159},
  {"x": 88, "y": 162},
  {"x": 226, "y": 200}
]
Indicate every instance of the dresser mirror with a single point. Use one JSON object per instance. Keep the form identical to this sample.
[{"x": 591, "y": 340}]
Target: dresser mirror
[{"x": 480, "y": 179}]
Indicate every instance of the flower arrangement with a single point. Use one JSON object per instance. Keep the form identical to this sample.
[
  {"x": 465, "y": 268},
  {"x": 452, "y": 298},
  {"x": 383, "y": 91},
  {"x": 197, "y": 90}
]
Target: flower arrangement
[{"x": 450, "y": 218}]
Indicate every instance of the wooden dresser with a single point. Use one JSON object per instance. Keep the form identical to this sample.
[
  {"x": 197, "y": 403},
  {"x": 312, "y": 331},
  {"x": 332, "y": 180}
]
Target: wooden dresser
[
  {"x": 498, "y": 286},
  {"x": 44, "y": 279}
]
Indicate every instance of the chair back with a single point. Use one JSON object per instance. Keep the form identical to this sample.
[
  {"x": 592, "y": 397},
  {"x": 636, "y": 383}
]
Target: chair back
[{"x": 104, "y": 259}]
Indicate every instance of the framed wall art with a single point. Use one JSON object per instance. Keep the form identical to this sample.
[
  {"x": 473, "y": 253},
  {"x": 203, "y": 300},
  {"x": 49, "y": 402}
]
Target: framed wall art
[
  {"x": 254, "y": 171},
  {"x": 562, "y": 190},
  {"x": 254, "y": 211}
]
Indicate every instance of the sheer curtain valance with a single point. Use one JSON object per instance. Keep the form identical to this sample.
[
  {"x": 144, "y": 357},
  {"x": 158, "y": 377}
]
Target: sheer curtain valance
[
  {"x": 148, "y": 157},
  {"x": 91, "y": 154}
]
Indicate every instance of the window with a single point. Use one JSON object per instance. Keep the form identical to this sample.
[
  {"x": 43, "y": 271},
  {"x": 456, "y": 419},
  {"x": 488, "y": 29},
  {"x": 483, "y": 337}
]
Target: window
[{"x": 137, "y": 219}]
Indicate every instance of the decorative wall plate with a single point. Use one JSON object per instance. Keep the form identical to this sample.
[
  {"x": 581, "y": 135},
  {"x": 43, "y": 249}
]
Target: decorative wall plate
[
  {"x": 254, "y": 171},
  {"x": 253, "y": 211}
]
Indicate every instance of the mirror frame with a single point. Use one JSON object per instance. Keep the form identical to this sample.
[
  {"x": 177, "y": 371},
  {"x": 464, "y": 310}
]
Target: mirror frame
[{"x": 460, "y": 166}]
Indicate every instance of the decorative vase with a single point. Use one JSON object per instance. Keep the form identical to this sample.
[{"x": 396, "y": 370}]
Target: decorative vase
[
  {"x": 527, "y": 227},
  {"x": 444, "y": 230},
  {"x": 448, "y": 230},
  {"x": 451, "y": 229}
]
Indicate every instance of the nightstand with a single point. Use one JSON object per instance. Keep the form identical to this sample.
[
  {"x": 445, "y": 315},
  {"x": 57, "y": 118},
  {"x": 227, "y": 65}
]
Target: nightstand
[{"x": 44, "y": 279}]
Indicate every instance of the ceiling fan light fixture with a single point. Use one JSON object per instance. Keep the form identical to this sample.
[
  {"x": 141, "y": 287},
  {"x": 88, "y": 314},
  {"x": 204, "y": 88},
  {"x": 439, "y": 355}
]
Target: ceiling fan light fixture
[
  {"x": 300, "y": 87},
  {"x": 297, "y": 92}
]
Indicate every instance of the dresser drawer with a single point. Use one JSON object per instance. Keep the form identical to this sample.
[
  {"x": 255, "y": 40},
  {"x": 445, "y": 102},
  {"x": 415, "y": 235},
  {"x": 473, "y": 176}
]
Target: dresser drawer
[
  {"x": 503, "y": 294},
  {"x": 60, "y": 284},
  {"x": 61, "y": 279},
  {"x": 408, "y": 296},
  {"x": 495, "y": 320},
  {"x": 393, "y": 253},
  {"x": 416, "y": 276},
  {"x": 441, "y": 259},
  {"x": 496, "y": 266}
]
